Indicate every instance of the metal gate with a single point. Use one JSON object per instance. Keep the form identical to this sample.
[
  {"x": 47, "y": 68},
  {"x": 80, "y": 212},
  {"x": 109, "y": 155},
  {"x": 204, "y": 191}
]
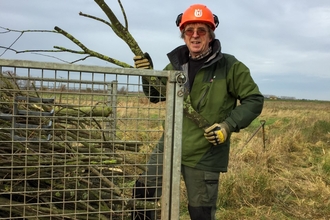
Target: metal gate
[{"x": 74, "y": 138}]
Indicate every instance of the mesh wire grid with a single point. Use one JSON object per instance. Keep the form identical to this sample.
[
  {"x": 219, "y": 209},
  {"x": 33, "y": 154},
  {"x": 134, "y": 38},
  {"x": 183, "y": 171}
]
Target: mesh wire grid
[{"x": 73, "y": 143}]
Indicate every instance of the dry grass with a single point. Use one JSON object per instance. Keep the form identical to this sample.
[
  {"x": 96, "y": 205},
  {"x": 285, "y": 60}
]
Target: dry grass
[
  {"x": 289, "y": 178},
  {"x": 286, "y": 179}
]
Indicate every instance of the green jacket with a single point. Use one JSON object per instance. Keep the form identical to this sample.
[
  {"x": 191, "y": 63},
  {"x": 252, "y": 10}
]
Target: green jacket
[{"x": 217, "y": 86}]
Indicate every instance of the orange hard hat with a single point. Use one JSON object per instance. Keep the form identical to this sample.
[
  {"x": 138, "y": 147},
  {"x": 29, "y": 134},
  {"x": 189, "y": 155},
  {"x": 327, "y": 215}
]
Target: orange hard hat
[{"x": 197, "y": 13}]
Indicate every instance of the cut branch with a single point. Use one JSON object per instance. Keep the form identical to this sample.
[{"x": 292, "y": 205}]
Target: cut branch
[
  {"x": 121, "y": 31},
  {"x": 91, "y": 53}
]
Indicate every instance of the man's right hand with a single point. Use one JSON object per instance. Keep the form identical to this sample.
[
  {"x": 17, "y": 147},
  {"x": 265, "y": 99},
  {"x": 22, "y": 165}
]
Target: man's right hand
[{"x": 142, "y": 62}]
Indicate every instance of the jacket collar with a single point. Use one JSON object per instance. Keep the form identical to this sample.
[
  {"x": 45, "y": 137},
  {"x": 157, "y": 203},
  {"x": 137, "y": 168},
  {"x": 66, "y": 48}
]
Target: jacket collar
[{"x": 180, "y": 55}]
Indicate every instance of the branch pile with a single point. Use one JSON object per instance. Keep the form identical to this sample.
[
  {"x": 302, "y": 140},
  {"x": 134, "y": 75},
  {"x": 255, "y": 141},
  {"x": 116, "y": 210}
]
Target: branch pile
[{"x": 75, "y": 170}]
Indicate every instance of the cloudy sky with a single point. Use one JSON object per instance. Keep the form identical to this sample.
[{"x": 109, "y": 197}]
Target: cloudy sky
[{"x": 286, "y": 44}]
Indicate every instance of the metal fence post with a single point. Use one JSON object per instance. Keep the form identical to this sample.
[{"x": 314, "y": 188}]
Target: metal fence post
[
  {"x": 112, "y": 102},
  {"x": 172, "y": 150}
]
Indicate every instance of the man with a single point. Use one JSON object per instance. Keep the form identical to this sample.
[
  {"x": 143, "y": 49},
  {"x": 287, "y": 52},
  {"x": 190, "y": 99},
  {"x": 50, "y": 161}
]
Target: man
[{"x": 215, "y": 82}]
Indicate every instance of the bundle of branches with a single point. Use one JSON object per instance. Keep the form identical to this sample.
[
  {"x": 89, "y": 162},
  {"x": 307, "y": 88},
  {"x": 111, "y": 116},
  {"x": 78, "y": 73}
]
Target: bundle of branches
[{"x": 65, "y": 167}]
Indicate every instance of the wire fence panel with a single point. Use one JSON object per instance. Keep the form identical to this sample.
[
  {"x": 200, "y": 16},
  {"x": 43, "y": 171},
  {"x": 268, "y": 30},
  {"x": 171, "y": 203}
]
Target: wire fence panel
[{"x": 74, "y": 139}]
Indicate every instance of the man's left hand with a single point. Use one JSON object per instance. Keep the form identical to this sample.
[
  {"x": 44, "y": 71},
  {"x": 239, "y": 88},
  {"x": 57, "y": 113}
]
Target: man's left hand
[{"x": 217, "y": 133}]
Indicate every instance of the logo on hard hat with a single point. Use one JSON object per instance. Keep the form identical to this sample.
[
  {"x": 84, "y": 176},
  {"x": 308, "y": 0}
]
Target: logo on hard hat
[{"x": 198, "y": 13}]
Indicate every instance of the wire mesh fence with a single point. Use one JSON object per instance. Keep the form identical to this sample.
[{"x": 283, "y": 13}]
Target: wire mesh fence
[{"x": 74, "y": 139}]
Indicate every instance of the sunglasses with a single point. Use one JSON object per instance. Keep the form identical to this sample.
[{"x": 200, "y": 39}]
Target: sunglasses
[{"x": 200, "y": 31}]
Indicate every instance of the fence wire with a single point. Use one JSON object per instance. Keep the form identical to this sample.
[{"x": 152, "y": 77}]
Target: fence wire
[{"x": 73, "y": 142}]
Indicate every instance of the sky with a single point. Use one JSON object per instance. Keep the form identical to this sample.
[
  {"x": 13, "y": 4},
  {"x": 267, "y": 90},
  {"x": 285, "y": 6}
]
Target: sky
[{"x": 285, "y": 44}]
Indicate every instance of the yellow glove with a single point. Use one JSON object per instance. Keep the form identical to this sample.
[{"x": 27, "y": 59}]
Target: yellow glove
[
  {"x": 143, "y": 62},
  {"x": 217, "y": 133}
]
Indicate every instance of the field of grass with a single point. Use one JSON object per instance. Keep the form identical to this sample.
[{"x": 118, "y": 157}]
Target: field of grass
[
  {"x": 289, "y": 176},
  {"x": 285, "y": 177}
]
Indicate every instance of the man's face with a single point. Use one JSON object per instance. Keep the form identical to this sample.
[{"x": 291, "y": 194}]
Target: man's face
[{"x": 197, "y": 38}]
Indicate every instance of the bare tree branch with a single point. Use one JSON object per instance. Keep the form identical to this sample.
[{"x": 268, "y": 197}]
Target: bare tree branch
[
  {"x": 70, "y": 37},
  {"x": 58, "y": 30},
  {"x": 7, "y": 48},
  {"x": 20, "y": 31},
  {"x": 12, "y": 44},
  {"x": 124, "y": 14},
  {"x": 41, "y": 54},
  {"x": 119, "y": 29},
  {"x": 96, "y": 18}
]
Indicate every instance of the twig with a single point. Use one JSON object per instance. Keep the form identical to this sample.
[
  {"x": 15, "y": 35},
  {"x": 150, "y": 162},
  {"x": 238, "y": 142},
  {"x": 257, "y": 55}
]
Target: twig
[{"x": 117, "y": 191}]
